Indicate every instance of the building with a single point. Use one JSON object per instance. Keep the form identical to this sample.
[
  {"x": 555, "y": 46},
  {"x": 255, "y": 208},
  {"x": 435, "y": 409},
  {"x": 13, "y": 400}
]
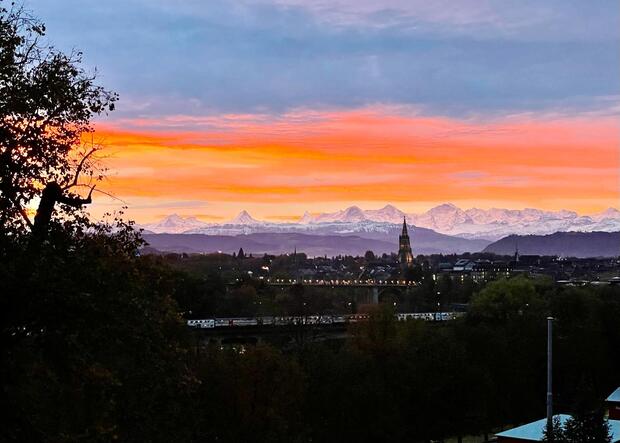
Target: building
[
  {"x": 613, "y": 405},
  {"x": 405, "y": 256},
  {"x": 480, "y": 271},
  {"x": 534, "y": 431}
]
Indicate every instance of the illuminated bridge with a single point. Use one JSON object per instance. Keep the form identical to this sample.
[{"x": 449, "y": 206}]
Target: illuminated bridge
[
  {"x": 374, "y": 289},
  {"x": 330, "y": 283}
]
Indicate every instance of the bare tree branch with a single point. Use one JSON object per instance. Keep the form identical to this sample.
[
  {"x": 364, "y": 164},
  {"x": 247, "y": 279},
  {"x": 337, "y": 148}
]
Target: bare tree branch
[
  {"x": 80, "y": 166},
  {"x": 105, "y": 193},
  {"x": 76, "y": 202}
]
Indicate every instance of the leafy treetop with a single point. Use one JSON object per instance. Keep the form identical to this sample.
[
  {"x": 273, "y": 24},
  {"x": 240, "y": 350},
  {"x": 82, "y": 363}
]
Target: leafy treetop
[{"x": 47, "y": 101}]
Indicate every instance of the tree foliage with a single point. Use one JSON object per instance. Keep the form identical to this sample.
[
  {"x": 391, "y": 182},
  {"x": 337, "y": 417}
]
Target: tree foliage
[
  {"x": 583, "y": 427},
  {"x": 587, "y": 427},
  {"x": 93, "y": 347},
  {"x": 47, "y": 101}
]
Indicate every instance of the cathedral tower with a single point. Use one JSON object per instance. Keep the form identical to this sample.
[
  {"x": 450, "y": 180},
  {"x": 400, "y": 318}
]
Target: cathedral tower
[{"x": 405, "y": 256}]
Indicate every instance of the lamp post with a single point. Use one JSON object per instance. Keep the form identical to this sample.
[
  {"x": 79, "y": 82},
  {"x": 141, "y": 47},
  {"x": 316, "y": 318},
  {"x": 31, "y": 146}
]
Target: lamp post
[{"x": 549, "y": 378}]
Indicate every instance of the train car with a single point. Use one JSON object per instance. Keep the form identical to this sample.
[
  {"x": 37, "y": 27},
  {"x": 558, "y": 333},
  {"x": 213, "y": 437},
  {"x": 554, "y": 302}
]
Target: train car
[
  {"x": 202, "y": 324},
  {"x": 426, "y": 316},
  {"x": 354, "y": 318},
  {"x": 245, "y": 321},
  {"x": 282, "y": 321},
  {"x": 407, "y": 316},
  {"x": 265, "y": 320},
  {"x": 338, "y": 319},
  {"x": 311, "y": 320},
  {"x": 315, "y": 319},
  {"x": 223, "y": 322},
  {"x": 326, "y": 319},
  {"x": 230, "y": 322}
]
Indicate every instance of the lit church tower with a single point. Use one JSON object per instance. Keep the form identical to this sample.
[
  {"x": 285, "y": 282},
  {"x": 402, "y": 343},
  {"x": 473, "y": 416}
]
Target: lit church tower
[{"x": 405, "y": 256}]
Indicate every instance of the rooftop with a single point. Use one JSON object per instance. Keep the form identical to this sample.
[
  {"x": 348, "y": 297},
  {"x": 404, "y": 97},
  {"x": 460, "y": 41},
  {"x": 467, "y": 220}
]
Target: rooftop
[
  {"x": 534, "y": 431},
  {"x": 615, "y": 396}
]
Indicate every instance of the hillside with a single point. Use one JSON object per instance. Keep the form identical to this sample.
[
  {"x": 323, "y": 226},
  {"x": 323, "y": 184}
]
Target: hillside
[
  {"x": 424, "y": 242},
  {"x": 566, "y": 244}
]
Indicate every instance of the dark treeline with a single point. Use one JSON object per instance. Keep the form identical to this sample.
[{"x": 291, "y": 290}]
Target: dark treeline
[{"x": 94, "y": 349}]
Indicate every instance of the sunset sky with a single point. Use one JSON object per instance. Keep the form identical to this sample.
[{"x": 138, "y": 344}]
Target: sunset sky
[{"x": 282, "y": 106}]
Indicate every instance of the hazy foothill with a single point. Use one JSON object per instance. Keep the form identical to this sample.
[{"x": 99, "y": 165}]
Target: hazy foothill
[{"x": 94, "y": 338}]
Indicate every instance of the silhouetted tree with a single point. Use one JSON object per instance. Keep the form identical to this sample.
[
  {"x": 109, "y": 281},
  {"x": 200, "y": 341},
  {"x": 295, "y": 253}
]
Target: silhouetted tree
[
  {"x": 557, "y": 433},
  {"x": 587, "y": 427},
  {"x": 46, "y": 103},
  {"x": 252, "y": 396},
  {"x": 92, "y": 346},
  {"x": 581, "y": 428},
  {"x": 240, "y": 301}
]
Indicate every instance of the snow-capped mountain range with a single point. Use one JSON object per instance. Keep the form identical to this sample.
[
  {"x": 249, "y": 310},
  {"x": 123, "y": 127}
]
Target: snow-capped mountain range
[
  {"x": 174, "y": 224},
  {"x": 490, "y": 224}
]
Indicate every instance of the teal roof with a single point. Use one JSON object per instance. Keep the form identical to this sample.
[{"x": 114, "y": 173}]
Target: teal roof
[
  {"x": 534, "y": 431},
  {"x": 531, "y": 431},
  {"x": 614, "y": 428},
  {"x": 615, "y": 396}
]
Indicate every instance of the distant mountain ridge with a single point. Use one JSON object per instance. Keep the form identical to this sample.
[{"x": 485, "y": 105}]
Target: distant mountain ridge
[
  {"x": 491, "y": 224},
  {"x": 267, "y": 243},
  {"x": 425, "y": 241},
  {"x": 563, "y": 244}
]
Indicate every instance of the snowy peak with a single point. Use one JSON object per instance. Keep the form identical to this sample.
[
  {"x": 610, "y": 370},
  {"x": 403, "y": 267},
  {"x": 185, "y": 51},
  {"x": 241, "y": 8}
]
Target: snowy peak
[
  {"x": 609, "y": 213},
  {"x": 353, "y": 214},
  {"x": 175, "y": 224},
  {"x": 442, "y": 217},
  {"x": 244, "y": 218},
  {"x": 445, "y": 207},
  {"x": 171, "y": 220},
  {"x": 306, "y": 218},
  {"x": 387, "y": 214}
]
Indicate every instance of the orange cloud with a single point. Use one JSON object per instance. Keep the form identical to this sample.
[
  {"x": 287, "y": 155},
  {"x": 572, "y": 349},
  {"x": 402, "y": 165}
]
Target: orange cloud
[{"x": 314, "y": 160}]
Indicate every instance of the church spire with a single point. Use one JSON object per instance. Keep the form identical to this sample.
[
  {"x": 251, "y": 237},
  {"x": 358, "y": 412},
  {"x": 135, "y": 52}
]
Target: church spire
[
  {"x": 404, "y": 226},
  {"x": 517, "y": 250},
  {"x": 405, "y": 255}
]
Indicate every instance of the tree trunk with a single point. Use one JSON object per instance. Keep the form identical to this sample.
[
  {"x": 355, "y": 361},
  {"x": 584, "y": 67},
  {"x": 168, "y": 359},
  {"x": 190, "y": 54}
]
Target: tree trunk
[{"x": 51, "y": 194}]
